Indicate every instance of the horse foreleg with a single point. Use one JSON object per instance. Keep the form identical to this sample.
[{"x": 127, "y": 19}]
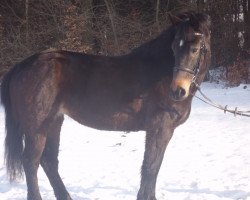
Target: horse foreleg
[
  {"x": 34, "y": 145},
  {"x": 49, "y": 160},
  {"x": 156, "y": 143}
]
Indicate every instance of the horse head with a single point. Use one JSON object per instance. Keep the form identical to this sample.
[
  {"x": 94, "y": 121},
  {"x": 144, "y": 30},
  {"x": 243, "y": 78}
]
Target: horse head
[{"x": 191, "y": 48}]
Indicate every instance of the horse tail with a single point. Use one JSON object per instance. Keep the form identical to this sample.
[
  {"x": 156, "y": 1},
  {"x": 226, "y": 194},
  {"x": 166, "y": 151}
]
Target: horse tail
[{"x": 14, "y": 136}]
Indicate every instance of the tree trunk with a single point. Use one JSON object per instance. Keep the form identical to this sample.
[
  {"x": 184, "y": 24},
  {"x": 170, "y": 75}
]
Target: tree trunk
[
  {"x": 87, "y": 10},
  {"x": 246, "y": 12},
  {"x": 111, "y": 18},
  {"x": 27, "y": 19},
  {"x": 157, "y": 10}
]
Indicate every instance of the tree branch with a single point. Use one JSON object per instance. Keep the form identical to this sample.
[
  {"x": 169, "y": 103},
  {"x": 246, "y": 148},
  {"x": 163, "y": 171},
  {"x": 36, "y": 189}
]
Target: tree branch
[
  {"x": 111, "y": 18},
  {"x": 157, "y": 15}
]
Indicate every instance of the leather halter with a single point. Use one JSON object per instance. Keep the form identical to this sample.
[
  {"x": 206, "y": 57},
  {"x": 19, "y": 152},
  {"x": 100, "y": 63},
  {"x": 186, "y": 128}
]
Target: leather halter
[{"x": 196, "y": 69}]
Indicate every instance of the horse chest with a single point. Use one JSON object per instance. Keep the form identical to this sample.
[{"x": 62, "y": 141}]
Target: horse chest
[{"x": 181, "y": 114}]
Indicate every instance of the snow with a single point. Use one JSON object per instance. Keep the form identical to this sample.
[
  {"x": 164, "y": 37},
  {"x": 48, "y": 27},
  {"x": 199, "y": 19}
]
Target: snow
[{"x": 208, "y": 157}]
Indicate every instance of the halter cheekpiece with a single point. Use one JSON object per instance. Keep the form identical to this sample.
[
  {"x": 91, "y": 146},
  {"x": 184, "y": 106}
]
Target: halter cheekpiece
[{"x": 196, "y": 69}]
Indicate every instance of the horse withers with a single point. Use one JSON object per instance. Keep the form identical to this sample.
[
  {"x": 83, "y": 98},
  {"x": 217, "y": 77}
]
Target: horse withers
[{"x": 149, "y": 89}]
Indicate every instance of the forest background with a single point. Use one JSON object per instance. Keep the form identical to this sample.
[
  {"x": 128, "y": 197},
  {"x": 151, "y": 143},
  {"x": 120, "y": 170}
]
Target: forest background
[{"x": 114, "y": 27}]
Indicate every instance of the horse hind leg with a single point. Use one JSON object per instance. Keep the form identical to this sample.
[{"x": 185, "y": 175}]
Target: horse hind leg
[
  {"x": 49, "y": 159},
  {"x": 34, "y": 145}
]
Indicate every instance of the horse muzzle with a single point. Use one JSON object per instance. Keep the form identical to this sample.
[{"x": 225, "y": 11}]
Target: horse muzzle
[{"x": 179, "y": 89}]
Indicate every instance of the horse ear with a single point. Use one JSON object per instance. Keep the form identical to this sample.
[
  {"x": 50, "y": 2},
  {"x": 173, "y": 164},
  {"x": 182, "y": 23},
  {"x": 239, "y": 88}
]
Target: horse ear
[
  {"x": 200, "y": 19},
  {"x": 174, "y": 19}
]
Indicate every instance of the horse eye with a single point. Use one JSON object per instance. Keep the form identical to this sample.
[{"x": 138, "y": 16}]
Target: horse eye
[{"x": 194, "y": 50}]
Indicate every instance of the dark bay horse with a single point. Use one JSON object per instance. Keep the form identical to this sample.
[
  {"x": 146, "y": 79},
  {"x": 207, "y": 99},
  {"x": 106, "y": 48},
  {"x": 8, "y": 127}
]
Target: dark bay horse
[{"x": 150, "y": 89}]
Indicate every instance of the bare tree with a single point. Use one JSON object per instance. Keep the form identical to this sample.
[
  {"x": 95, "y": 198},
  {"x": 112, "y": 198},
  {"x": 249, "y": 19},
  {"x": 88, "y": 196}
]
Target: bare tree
[
  {"x": 246, "y": 12},
  {"x": 157, "y": 15},
  {"x": 27, "y": 18},
  {"x": 111, "y": 17}
]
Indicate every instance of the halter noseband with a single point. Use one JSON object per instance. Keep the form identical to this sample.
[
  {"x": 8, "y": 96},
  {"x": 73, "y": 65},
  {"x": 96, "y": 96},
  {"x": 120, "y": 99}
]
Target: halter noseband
[{"x": 196, "y": 69}]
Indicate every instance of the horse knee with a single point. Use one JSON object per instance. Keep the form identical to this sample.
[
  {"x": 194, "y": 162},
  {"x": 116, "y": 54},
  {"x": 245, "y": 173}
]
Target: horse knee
[
  {"x": 48, "y": 162},
  {"x": 49, "y": 158}
]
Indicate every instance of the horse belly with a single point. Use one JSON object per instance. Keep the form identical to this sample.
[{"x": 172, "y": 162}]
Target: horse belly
[{"x": 119, "y": 121}]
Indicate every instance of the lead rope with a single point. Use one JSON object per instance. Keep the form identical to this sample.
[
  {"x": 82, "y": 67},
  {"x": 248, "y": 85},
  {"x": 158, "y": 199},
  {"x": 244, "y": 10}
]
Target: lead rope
[{"x": 210, "y": 102}]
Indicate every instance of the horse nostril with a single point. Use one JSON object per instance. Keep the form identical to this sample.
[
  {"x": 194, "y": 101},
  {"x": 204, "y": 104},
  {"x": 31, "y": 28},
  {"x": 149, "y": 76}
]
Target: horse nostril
[{"x": 178, "y": 94}]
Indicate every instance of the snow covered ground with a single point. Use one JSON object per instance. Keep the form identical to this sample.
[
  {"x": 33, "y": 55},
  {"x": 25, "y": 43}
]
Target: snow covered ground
[{"x": 207, "y": 159}]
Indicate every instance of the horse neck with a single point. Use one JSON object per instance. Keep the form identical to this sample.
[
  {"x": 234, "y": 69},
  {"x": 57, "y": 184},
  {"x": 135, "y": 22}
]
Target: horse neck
[
  {"x": 158, "y": 48},
  {"x": 156, "y": 56}
]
